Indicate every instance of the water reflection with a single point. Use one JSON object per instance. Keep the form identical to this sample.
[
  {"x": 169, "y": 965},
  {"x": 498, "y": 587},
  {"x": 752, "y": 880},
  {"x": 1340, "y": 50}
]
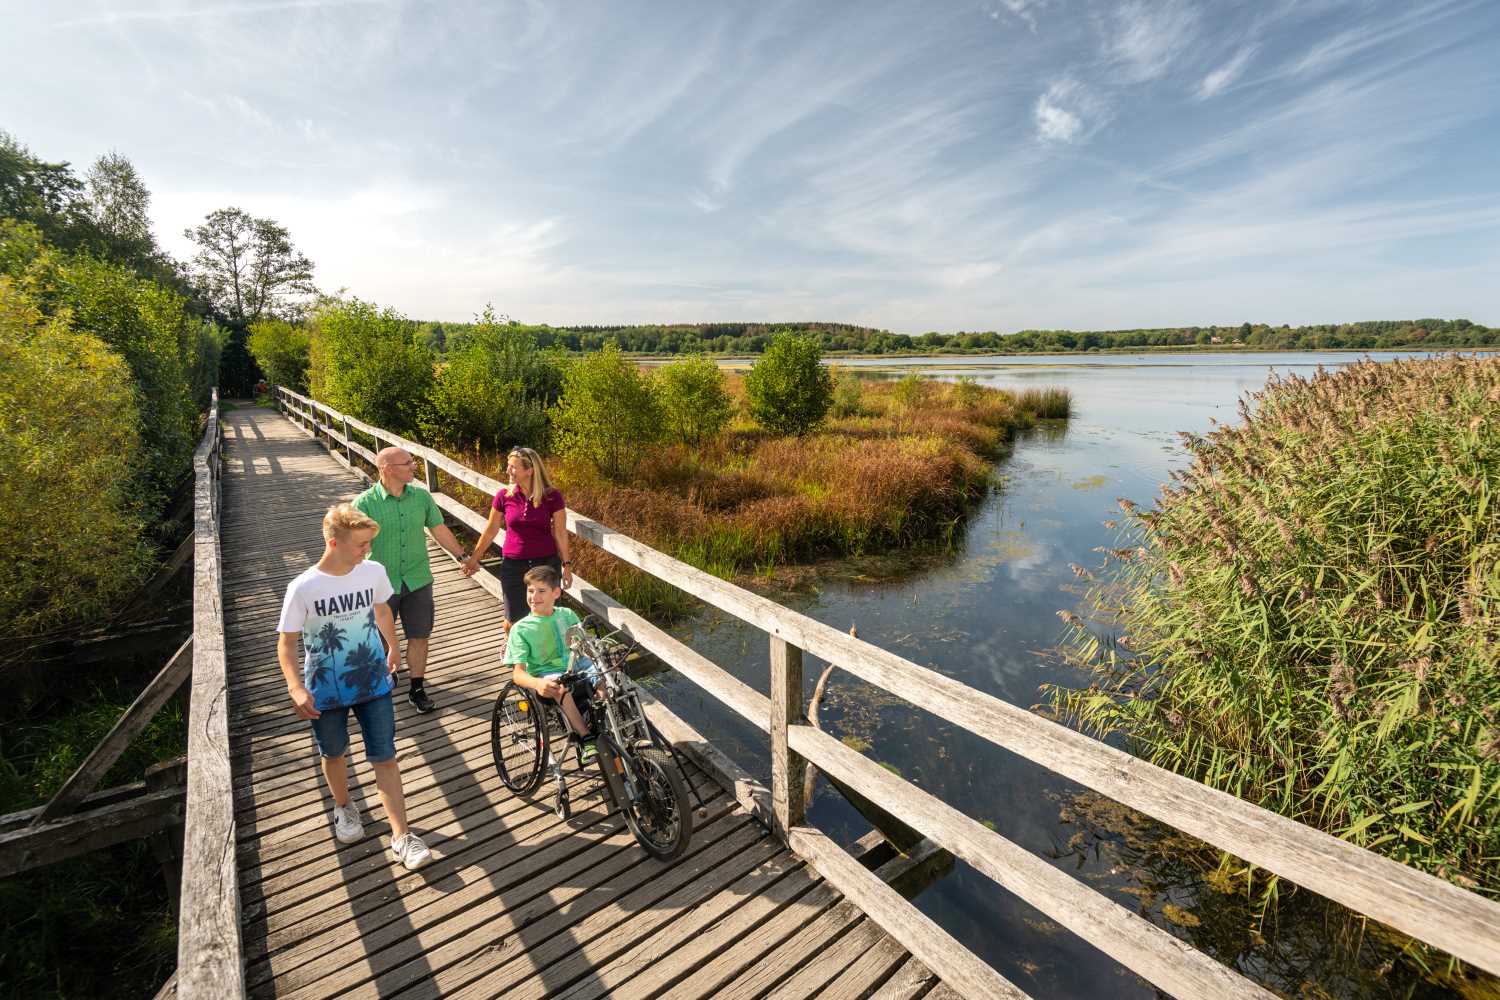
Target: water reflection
[{"x": 985, "y": 613}]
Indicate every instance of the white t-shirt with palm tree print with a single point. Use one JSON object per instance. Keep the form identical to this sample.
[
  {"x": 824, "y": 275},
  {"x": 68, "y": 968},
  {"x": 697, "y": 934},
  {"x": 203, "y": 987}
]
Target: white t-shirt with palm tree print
[{"x": 345, "y": 660}]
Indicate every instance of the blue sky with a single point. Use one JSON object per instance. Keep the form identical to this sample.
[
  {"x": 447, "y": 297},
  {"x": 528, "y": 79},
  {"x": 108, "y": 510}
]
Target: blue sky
[{"x": 999, "y": 164}]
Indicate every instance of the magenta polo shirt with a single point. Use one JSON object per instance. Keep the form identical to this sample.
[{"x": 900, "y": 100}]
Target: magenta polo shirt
[{"x": 528, "y": 529}]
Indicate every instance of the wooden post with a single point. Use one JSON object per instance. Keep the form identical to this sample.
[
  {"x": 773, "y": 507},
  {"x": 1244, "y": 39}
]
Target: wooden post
[
  {"x": 433, "y": 483},
  {"x": 348, "y": 443},
  {"x": 166, "y": 846},
  {"x": 787, "y": 767}
]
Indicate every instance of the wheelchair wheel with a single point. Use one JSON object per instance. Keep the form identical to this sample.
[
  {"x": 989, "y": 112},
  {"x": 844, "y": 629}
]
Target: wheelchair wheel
[
  {"x": 661, "y": 820},
  {"x": 518, "y": 739}
]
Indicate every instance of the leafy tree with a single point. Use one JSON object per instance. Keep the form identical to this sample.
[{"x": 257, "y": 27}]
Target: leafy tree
[
  {"x": 204, "y": 371},
  {"x": 790, "y": 391},
  {"x": 119, "y": 204},
  {"x": 248, "y": 266},
  {"x": 495, "y": 389},
  {"x": 607, "y": 413},
  {"x": 365, "y": 361},
  {"x": 68, "y": 520},
  {"x": 281, "y": 349},
  {"x": 848, "y": 393},
  {"x": 695, "y": 407},
  {"x": 47, "y": 195}
]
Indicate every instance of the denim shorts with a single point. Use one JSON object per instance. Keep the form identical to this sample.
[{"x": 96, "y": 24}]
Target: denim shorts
[
  {"x": 377, "y": 723},
  {"x": 414, "y": 610}
]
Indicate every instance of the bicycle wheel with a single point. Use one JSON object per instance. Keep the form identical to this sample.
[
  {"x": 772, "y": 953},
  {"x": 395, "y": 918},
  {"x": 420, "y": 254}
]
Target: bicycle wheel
[
  {"x": 660, "y": 820},
  {"x": 518, "y": 739}
]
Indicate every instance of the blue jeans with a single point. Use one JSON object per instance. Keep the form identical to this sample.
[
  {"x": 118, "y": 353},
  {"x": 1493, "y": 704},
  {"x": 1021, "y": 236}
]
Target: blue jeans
[{"x": 377, "y": 722}]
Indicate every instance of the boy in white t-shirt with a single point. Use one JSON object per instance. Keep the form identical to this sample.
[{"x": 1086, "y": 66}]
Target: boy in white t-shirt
[{"x": 338, "y": 608}]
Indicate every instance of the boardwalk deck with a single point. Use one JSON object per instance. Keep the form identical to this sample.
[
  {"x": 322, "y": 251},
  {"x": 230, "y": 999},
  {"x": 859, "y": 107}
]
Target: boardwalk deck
[{"x": 515, "y": 902}]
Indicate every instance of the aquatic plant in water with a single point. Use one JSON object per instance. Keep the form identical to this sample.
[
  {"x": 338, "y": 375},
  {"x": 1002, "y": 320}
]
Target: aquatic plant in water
[{"x": 1307, "y": 617}]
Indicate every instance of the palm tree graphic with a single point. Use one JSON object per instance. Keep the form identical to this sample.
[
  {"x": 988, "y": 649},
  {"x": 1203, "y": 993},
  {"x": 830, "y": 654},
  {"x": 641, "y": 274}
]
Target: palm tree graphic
[{"x": 363, "y": 670}]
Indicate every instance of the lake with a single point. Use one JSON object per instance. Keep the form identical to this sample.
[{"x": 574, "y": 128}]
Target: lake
[{"x": 986, "y": 614}]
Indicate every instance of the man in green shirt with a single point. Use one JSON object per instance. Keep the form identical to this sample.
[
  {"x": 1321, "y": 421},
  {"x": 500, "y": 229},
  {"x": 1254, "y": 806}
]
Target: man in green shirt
[{"x": 403, "y": 510}]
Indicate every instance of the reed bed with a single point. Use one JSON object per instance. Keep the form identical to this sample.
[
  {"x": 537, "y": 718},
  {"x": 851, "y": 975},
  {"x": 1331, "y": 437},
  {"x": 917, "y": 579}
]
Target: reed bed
[
  {"x": 902, "y": 469},
  {"x": 1307, "y": 617}
]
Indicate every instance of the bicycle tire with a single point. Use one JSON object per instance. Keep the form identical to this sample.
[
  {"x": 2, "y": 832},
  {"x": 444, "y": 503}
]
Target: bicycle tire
[
  {"x": 661, "y": 821},
  {"x": 516, "y": 726}
]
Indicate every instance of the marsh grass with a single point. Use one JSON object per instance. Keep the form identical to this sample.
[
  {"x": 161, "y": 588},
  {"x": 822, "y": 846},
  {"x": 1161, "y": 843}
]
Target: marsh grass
[
  {"x": 1051, "y": 403},
  {"x": 904, "y": 467},
  {"x": 1307, "y": 618}
]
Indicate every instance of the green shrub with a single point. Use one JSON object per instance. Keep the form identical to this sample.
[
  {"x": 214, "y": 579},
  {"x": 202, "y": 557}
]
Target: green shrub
[
  {"x": 1309, "y": 614},
  {"x": 607, "y": 414},
  {"x": 964, "y": 392},
  {"x": 790, "y": 391},
  {"x": 281, "y": 349},
  {"x": 909, "y": 392},
  {"x": 494, "y": 391},
  {"x": 366, "y": 362},
  {"x": 848, "y": 393},
  {"x": 69, "y": 525},
  {"x": 695, "y": 406},
  {"x": 203, "y": 374}
]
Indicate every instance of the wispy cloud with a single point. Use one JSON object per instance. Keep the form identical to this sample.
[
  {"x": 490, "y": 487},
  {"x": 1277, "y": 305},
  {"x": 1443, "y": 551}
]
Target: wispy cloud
[
  {"x": 1143, "y": 38},
  {"x": 1068, "y": 112},
  {"x": 1226, "y": 73}
]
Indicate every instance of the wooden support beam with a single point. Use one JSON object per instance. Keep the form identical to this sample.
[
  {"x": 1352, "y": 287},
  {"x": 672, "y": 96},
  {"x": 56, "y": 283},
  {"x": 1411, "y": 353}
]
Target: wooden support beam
[
  {"x": 140, "y": 713},
  {"x": 47, "y": 843},
  {"x": 787, "y": 766},
  {"x": 109, "y": 796}
]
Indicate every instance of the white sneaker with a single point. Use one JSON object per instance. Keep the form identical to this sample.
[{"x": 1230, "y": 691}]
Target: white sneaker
[
  {"x": 410, "y": 850},
  {"x": 346, "y": 824}
]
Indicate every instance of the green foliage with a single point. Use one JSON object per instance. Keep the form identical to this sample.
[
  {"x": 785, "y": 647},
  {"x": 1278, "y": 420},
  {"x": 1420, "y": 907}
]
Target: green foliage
[
  {"x": 1050, "y": 403},
  {"x": 204, "y": 373},
  {"x": 909, "y": 391},
  {"x": 790, "y": 391},
  {"x": 1309, "y": 614},
  {"x": 366, "y": 362},
  {"x": 68, "y": 524},
  {"x": 695, "y": 406},
  {"x": 249, "y": 266},
  {"x": 607, "y": 413},
  {"x": 281, "y": 349},
  {"x": 848, "y": 393},
  {"x": 494, "y": 391},
  {"x": 964, "y": 392}
]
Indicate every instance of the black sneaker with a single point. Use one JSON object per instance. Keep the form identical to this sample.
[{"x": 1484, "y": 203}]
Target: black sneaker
[{"x": 419, "y": 700}]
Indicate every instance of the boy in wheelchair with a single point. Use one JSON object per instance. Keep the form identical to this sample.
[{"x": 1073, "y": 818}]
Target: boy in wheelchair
[{"x": 538, "y": 653}]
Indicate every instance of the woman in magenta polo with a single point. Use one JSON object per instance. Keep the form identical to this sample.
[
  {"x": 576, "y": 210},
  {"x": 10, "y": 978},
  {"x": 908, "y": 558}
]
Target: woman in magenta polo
[{"x": 530, "y": 510}]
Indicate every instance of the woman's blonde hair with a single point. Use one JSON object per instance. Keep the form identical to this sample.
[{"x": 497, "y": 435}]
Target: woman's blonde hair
[
  {"x": 343, "y": 518},
  {"x": 541, "y": 483}
]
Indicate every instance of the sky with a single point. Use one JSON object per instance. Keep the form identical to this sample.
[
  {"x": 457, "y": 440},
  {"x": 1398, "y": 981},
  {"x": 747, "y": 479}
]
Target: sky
[{"x": 989, "y": 165}]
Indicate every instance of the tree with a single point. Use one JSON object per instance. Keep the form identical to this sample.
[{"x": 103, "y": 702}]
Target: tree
[
  {"x": 789, "y": 389},
  {"x": 607, "y": 414},
  {"x": 281, "y": 349},
  {"x": 248, "y": 266},
  {"x": 365, "y": 361},
  {"x": 695, "y": 406},
  {"x": 495, "y": 389},
  {"x": 118, "y": 202}
]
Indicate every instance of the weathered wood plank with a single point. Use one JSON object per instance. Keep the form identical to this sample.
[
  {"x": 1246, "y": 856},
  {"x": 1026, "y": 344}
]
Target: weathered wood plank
[
  {"x": 209, "y": 952},
  {"x": 71, "y": 835},
  {"x": 135, "y": 718},
  {"x": 1164, "y": 960}
]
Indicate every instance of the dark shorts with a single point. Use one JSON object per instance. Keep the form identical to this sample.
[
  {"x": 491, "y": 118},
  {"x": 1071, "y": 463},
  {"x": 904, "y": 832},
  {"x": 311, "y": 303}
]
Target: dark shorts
[
  {"x": 583, "y": 694},
  {"x": 513, "y": 583},
  {"x": 413, "y": 609},
  {"x": 377, "y": 723}
]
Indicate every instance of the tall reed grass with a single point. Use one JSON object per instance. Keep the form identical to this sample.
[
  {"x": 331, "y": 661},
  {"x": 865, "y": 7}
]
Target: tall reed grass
[{"x": 1307, "y": 617}]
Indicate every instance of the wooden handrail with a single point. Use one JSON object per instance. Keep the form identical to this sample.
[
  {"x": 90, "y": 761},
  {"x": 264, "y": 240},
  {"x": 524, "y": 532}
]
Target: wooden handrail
[
  {"x": 210, "y": 954},
  {"x": 1426, "y": 908}
]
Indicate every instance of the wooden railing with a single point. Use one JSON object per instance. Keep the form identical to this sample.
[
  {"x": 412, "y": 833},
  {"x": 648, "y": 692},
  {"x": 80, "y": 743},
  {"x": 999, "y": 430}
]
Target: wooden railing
[
  {"x": 210, "y": 958},
  {"x": 1428, "y": 909}
]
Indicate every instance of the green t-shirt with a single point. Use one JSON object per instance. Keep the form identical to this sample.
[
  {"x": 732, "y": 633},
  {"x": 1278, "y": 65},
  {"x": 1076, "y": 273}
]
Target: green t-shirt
[
  {"x": 537, "y": 643},
  {"x": 401, "y": 544}
]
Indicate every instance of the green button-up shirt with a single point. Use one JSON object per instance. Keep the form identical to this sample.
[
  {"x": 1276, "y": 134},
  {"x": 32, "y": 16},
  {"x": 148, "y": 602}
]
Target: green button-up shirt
[{"x": 401, "y": 544}]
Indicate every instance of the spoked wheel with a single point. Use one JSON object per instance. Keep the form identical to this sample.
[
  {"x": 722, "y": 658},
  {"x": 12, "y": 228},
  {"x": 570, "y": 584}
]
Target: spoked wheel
[
  {"x": 518, "y": 739},
  {"x": 661, "y": 819}
]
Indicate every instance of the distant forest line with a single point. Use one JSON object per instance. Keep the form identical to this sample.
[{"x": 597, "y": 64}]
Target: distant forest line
[{"x": 753, "y": 338}]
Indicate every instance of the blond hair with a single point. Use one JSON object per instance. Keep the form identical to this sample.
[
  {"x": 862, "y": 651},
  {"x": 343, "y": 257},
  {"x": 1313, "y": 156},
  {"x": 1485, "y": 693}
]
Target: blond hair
[
  {"x": 541, "y": 483},
  {"x": 343, "y": 518}
]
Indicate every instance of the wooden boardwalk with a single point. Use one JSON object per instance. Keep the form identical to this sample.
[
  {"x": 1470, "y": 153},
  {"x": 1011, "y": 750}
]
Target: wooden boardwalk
[{"x": 515, "y": 902}]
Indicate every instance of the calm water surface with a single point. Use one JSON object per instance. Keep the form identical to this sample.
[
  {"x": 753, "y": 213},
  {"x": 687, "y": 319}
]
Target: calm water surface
[{"x": 986, "y": 616}]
